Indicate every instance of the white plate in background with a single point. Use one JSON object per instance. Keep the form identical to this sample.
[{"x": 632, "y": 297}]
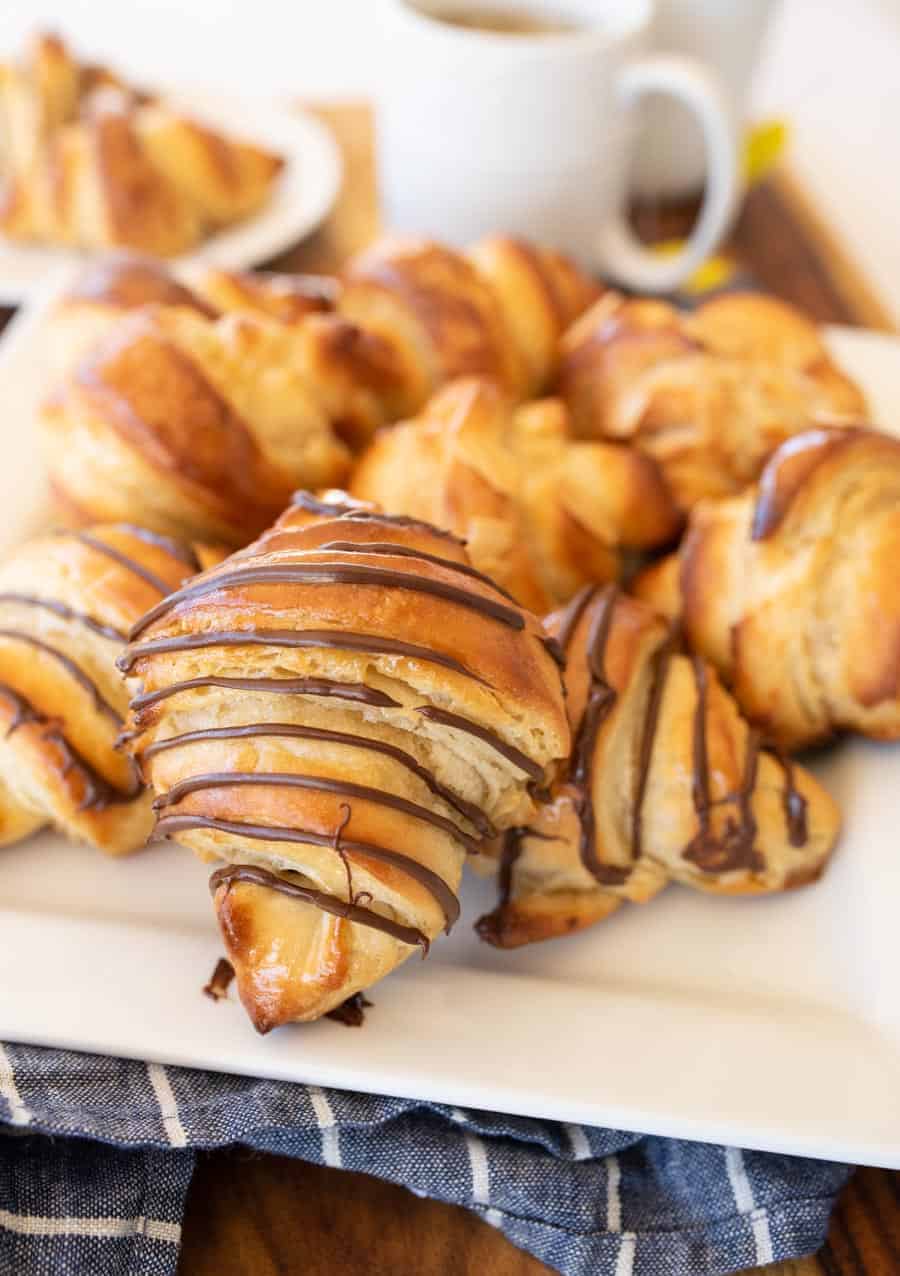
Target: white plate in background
[
  {"x": 767, "y": 1023},
  {"x": 302, "y": 196}
]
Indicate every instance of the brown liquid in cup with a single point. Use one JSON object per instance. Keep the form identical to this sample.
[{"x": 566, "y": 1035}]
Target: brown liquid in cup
[{"x": 504, "y": 21}]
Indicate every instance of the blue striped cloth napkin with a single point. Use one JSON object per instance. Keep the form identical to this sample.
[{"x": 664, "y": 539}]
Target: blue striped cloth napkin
[{"x": 96, "y": 1156}]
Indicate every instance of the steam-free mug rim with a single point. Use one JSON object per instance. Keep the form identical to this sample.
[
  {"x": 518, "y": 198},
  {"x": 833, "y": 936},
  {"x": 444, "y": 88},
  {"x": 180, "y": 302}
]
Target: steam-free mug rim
[{"x": 630, "y": 18}]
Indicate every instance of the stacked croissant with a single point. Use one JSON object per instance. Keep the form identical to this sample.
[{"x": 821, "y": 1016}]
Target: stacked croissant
[
  {"x": 361, "y": 698},
  {"x": 89, "y": 161}
]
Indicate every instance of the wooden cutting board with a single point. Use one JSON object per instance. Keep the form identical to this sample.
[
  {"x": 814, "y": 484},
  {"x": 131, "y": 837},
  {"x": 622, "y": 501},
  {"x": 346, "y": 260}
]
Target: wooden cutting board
[{"x": 251, "y": 1215}]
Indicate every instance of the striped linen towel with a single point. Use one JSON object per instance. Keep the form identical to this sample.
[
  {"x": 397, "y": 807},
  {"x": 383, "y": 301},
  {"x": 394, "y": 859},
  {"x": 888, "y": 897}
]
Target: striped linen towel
[{"x": 104, "y": 1195}]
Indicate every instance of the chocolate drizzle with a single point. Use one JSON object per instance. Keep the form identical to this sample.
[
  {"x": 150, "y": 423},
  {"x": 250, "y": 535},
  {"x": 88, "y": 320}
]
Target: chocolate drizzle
[
  {"x": 735, "y": 847},
  {"x": 508, "y": 751},
  {"x": 331, "y": 639},
  {"x": 351, "y": 1013},
  {"x": 389, "y": 548},
  {"x": 431, "y": 881},
  {"x": 315, "y": 783},
  {"x": 661, "y": 660},
  {"x": 99, "y": 793},
  {"x": 468, "y": 810},
  {"x": 571, "y": 614},
  {"x": 747, "y": 827},
  {"x": 176, "y": 549},
  {"x": 219, "y": 981},
  {"x": 65, "y": 613},
  {"x": 72, "y": 669},
  {"x": 358, "y": 510},
  {"x": 356, "y": 691},
  {"x": 331, "y": 573},
  {"x": 319, "y": 899},
  {"x": 161, "y": 586},
  {"x": 600, "y": 701},
  {"x": 793, "y": 803},
  {"x": 703, "y": 849},
  {"x": 491, "y": 927}
]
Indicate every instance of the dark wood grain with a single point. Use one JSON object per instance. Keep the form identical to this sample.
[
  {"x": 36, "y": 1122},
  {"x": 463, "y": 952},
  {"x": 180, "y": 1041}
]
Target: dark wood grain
[
  {"x": 265, "y": 1215},
  {"x": 251, "y": 1215}
]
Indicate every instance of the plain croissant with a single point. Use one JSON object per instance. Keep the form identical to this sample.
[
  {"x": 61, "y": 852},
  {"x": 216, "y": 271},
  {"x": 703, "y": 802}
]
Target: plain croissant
[
  {"x": 495, "y": 311},
  {"x": 67, "y": 601},
  {"x": 792, "y": 589},
  {"x": 197, "y": 427},
  {"x": 541, "y": 513},
  {"x": 93, "y": 163},
  {"x": 708, "y": 394},
  {"x": 666, "y": 782},
  {"x": 340, "y": 712}
]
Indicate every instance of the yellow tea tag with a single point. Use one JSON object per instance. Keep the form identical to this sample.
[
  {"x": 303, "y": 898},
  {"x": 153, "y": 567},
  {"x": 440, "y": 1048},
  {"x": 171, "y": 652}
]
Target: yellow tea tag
[
  {"x": 713, "y": 273},
  {"x": 764, "y": 144}
]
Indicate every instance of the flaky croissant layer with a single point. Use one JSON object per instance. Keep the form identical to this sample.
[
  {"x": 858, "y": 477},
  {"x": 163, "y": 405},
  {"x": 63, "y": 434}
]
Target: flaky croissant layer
[{"x": 340, "y": 713}]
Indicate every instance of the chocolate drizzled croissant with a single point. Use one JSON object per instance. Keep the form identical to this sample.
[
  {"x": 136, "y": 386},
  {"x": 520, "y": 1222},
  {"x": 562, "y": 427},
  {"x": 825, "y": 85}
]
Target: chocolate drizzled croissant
[
  {"x": 340, "y": 712},
  {"x": 67, "y": 602},
  {"x": 542, "y": 514},
  {"x": 792, "y": 589},
  {"x": 709, "y": 394},
  {"x": 666, "y": 782}
]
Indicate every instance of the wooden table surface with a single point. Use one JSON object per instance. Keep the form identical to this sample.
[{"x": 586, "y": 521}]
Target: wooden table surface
[{"x": 254, "y": 1215}]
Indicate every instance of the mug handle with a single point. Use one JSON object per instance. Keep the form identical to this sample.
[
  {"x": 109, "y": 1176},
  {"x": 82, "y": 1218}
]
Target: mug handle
[{"x": 621, "y": 254}]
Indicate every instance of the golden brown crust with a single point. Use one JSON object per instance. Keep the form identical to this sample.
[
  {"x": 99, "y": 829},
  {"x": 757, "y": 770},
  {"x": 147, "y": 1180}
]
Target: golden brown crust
[
  {"x": 67, "y": 602},
  {"x": 540, "y": 293},
  {"x": 196, "y": 427},
  {"x": 791, "y": 589},
  {"x": 666, "y": 783},
  {"x": 404, "y": 708},
  {"x": 709, "y": 394},
  {"x": 225, "y": 179},
  {"x": 495, "y": 312},
  {"x": 541, "y": 514},
  {"x": 431, "y": 304},
  {"x": 125, "y": 281},
  {"x": 287, "y": 298}
]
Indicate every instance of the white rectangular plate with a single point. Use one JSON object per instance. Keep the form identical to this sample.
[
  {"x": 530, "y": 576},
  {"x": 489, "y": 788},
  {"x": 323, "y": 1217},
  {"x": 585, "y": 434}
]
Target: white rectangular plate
[{"x": 769, "y": 1023}]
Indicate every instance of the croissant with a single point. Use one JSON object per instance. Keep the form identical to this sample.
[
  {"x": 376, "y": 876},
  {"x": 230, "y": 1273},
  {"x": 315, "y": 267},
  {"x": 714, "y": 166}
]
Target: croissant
[
  {"x": 67, "y": 601},
  {"x": 792, "y": 590},
  {"x": 497, "y": 311},
  {"x": 225, "y": 179},
  {"x": 541, "y": 514},
  {"x": 39, "y": 95},
  {"x": 200, "y": 428},
  {"x": 666, "y": 782},
  {"x": 708, "y": 394},
  {"x": 340, "y": 712},
  {"x": 92, "y": 184},
  {"x": 91, "y": 162}
]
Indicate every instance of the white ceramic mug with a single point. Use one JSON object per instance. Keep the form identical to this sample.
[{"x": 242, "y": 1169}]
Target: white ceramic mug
[
  {"x": 727, "y": 35},
  {"x": 531, "y": 134}
]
